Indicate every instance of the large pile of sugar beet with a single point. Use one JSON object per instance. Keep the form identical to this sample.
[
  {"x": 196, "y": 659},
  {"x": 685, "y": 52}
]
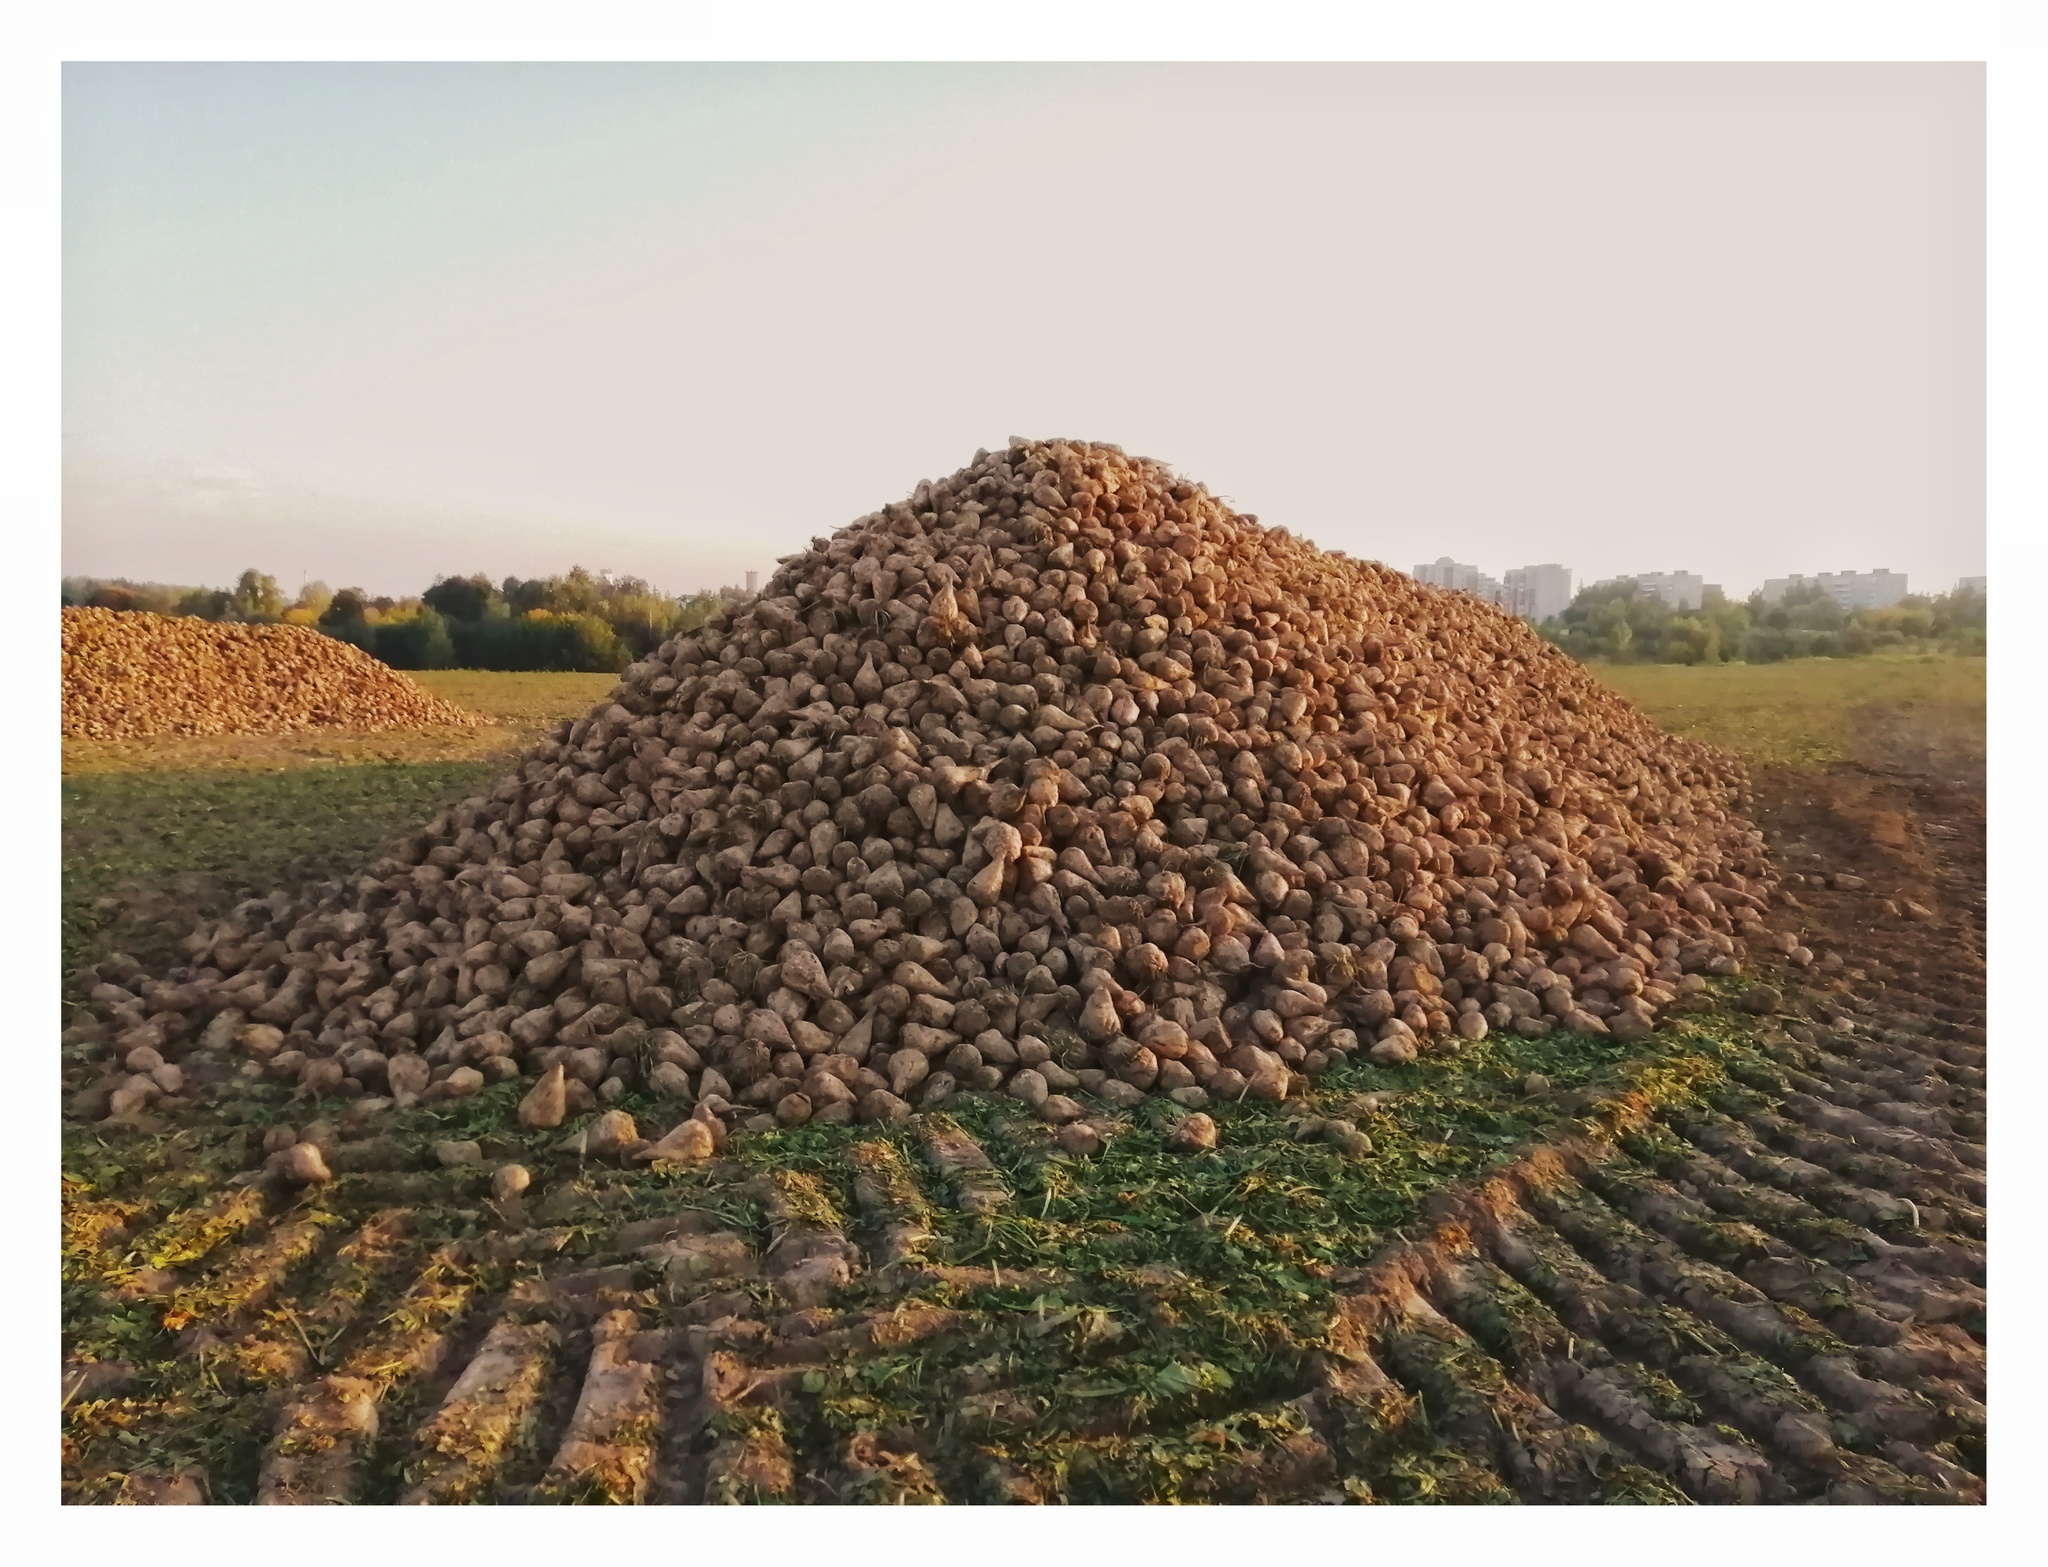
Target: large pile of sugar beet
[
  {"x": 1057, "y": 778},
  {"x": 131, "y": 675}
]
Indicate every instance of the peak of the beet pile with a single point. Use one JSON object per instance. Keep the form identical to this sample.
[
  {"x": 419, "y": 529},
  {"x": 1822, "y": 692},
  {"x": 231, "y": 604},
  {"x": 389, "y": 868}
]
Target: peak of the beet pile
[{"x": 1058, "y": 778}]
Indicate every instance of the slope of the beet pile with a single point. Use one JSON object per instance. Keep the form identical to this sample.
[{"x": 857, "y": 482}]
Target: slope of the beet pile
[{"x": 1058, "y": 778}]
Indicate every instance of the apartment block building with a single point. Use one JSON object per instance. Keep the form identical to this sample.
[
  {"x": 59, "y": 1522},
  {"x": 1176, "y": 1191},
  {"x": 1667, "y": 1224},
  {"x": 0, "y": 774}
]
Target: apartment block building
[
  {"x": 1460, "y": 578},
  {"x": 1675, "y": 589},
  {"x": 1537, "y": 593},
  {"x": 1533, "y": 592},
  {"x": 1850, "y": 589}
]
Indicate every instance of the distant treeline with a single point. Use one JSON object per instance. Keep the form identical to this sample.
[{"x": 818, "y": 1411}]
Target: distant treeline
[
  {"x": 594, "y": 621},
  {"x": 583, "y": 621},
  {"x": 1625, "y": 623}
]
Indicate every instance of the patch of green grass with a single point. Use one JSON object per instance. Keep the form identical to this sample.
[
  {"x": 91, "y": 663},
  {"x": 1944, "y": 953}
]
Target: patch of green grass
[
  {"x": 517, "y": 699},
  {"x": 140, "y": 848},
  {"x": 157, "y": 832},
  {"x": 1808, "y": 712},
  {"x": 1194, "y": 1286},
  {"x": 1151, "y": 1313}
]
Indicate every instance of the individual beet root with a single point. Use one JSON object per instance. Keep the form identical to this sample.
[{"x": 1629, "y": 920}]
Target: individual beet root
[
  {"x": 546, "y": 1103},
  {"x": 302, "y": 1165},
  {"x": 1195, "y": 1133},
  {"x": 131, "y": 675},
  {"x": 1057, "y": 777},
  {"x": 1079, "y": 1139},
  {"x": 691, "y": 1142}
]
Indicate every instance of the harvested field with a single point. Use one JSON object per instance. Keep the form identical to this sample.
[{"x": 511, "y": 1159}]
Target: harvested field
[
  {"x": 132, "y": 675},
  {"x": 149, "y": 853},
  {"x": 1741, "y": 1262},
  {"x": 1738, "y": 1258},
  {"x": 162, "y": 833},
  {"x": 1749, "y": 1270},
  {"x": 1818, "y": 712}
]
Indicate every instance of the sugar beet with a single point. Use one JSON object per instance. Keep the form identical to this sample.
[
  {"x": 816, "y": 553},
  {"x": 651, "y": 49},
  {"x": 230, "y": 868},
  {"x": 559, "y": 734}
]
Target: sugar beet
[{"x": 1059, "y": 774}]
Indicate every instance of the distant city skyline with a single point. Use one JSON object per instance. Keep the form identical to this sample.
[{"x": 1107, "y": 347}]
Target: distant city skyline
[
  {"x": 1541, "y": 591},
  {"x": 374, "y": 323},
  {"x": 1681, "y": 589}
]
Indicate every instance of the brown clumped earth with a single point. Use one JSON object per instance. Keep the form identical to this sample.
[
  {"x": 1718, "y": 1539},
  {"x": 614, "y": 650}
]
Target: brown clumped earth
[
  {"x": 1059, "y": 776},
  {"x": 133, "y": 675}
]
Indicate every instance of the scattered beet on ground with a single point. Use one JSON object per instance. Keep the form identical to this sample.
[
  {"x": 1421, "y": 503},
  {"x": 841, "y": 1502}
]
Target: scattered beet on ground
[
  {"x": 1059, "y": 776},
  {"x": 133, "y": 675}
]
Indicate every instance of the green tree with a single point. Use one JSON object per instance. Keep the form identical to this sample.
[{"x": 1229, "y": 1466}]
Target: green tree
[
  {"x": 256, "y": 598},
  {"x": 208, "y": 604},
  {"x": 1689, "y": 640},
  {"x": 462, "y": 598},
  {"x": 348, "y": 607},
  {"x": 420, "y": 641}
]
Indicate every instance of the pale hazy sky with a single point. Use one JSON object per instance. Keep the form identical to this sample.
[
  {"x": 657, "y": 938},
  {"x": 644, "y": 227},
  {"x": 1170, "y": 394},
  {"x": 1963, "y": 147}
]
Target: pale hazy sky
[{"x": 375, "y": 323}]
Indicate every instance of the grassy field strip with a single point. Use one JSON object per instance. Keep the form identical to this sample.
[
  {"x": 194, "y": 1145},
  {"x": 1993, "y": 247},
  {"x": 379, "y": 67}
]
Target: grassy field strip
[{"x": 1807, "y": 712}]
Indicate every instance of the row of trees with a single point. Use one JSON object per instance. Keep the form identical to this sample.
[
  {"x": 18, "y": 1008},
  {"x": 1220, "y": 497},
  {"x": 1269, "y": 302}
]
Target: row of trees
[
  {"x": 582, "y": 621},
  {"x": 1624, "y": 622},
  {"x": 255, "y": 598},
  {"x": 594, "y": 621}
]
